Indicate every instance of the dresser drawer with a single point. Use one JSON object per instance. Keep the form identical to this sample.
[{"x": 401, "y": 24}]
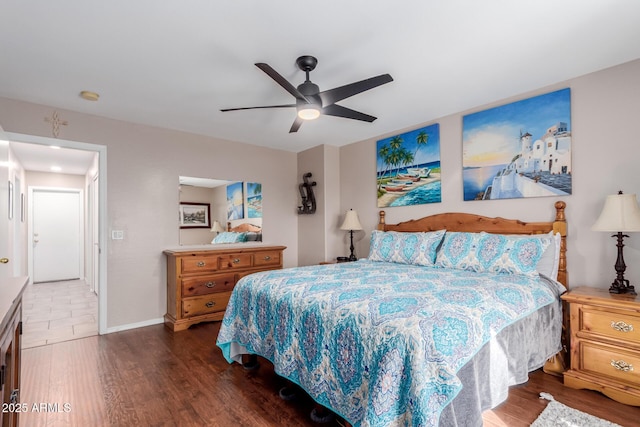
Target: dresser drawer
[
  {"x": 610, "y": 361},
  {"x": 205, "y": 304},
  {"x": 197, "y": 264},
  {"x": 231, "y": 261},
  {"x": 610, "y": 323},
  {"x": 208, "y": 284},
  {"x": 266, "y": 258}
]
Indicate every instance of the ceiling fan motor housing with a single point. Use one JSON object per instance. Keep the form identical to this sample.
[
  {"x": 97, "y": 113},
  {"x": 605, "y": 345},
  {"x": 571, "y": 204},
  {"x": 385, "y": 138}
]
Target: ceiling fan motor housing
[{"x": 310, "y": 91}]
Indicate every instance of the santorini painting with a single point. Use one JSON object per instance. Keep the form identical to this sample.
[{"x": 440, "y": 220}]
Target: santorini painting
[
  {"x": 522, "y": 149},
  {"x": 408, "y": 168}
]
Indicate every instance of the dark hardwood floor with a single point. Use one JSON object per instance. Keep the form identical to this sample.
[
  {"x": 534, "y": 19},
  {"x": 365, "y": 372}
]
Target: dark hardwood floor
[{"x": 153, "y": 377}]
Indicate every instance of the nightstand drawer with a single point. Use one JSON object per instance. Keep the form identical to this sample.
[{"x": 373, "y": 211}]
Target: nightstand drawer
[
  {"x": 610, "y": 361},
  {"x": 226, "y": 262},
  {"x": 208, "y": 284},
  {"x": 610, "y": 323},
  {"x": 198, "y": 264},
  {"x": 266, "y": 258},
  {"x": 205, "y": 304}
]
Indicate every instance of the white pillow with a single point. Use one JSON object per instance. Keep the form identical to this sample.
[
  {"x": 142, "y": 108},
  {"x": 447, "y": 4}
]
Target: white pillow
[{"x": 548, "y": 264}]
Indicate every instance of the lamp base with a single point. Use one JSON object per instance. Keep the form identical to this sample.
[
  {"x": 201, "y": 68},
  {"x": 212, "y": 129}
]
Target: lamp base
[{"x": 622, "y": 287}]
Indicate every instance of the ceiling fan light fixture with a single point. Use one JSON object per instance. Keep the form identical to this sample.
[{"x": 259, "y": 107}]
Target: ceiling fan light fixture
[{"x": 309, "y": 112}]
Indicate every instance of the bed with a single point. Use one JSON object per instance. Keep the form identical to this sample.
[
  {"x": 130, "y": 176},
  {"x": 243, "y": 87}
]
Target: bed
[{"x": 424, "y": 332}]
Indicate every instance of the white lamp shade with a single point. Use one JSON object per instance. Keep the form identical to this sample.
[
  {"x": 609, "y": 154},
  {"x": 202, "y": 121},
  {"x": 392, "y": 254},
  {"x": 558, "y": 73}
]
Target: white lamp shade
[
  {"x": 619, "y": 214},
  {"x": 351, "y": 221},
  {"x": 216, "y": 227}
]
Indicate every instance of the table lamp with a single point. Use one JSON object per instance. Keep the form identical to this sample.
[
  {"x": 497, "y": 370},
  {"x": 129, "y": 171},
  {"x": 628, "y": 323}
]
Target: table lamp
[
  {"x": 216, "y": 227},
  {"x": 620, "y": 215},
  {"x": 351, "y": 223}
]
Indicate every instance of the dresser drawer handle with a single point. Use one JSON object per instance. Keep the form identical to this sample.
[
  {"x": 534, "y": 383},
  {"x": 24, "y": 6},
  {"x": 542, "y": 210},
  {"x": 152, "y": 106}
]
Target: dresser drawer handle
[
  {"x": 201, "y": 264},
  {"x": 621, "y": 365},
  {"x": 212, "y": 303},
  {"x": 621, "y": 326},
  {"x": 236, "y": 260},
  {"x": 267, "y": 258},
  {"x": 210, "y": 284}
]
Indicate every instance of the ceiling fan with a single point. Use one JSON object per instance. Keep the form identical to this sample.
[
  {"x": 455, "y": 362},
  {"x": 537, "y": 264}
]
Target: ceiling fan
[{"x": 310, "y": 102}]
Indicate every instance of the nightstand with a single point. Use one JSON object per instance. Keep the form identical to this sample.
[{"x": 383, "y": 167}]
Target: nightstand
[{"x": 605, "y": 343}]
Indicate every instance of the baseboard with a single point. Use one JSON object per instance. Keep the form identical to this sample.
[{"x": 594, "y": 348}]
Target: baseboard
[{"x": 126, "y": 327}]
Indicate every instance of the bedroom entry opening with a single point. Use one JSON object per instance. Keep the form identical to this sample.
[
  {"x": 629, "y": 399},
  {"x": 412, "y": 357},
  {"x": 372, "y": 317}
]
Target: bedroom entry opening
[{"x": 70, "y": 249}]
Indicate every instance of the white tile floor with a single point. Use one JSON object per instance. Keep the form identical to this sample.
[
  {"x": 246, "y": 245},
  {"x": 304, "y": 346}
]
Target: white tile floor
[{"x": 58, "y": 311}]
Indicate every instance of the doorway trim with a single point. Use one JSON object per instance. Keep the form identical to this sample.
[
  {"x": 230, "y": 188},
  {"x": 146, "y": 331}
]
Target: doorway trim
[{"x": 102, "y": 209}]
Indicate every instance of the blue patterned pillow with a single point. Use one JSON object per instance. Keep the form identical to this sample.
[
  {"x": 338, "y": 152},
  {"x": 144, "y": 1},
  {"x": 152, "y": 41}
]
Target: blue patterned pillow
[
  {"x": 230, "y": 237},
  {"x": 492, "y": 253},
  {"x": 405, "y": 248}
]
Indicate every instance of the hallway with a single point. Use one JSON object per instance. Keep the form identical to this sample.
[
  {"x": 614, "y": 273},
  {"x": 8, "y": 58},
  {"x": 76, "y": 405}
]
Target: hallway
[{"x": 54, "y": 312}]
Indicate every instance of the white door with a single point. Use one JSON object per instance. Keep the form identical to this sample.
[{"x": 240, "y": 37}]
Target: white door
[
  {"x": 56, "y": 235},
  {"x": 6, "y": 269}
]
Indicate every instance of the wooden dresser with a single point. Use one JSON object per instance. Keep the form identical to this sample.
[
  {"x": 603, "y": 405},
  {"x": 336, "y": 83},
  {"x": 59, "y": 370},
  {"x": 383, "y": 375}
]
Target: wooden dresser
[
  {"x": 605, "y": 343},
  {"x": 10, "y": 348},
  {"x": 199, "y": 282}
]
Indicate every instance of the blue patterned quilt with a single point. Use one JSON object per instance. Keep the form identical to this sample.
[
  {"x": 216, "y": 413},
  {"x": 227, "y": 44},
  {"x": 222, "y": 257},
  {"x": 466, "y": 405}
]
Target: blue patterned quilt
[{"x": 378, "y": 343}]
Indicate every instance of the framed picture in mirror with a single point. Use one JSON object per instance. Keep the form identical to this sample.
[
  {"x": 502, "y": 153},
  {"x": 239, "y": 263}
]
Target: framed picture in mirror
[{"x": 195, "y": 215}]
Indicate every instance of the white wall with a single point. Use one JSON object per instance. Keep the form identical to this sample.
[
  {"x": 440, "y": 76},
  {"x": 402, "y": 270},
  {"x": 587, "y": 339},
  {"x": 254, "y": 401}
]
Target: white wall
[
  {"x": 314, "y": 242},
  {"x": 605, "y": 110},
  {"x": 311, "y": 227},
  {"x": 143, "y": 165}
]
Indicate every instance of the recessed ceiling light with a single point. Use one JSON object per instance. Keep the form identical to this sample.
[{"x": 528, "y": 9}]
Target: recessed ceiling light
[
  {"x": 56, "y": 168},
  {"x": 55, "y": 147},
  {"x": 89, "y": 96}
]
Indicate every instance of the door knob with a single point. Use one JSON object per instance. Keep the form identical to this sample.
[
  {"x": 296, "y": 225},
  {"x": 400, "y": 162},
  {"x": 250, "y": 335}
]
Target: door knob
[{"x": 4, "y": 260}]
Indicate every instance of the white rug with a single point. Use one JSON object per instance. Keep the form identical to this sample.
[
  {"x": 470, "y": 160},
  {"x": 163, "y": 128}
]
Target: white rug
[{"x": 556, "y": 414}]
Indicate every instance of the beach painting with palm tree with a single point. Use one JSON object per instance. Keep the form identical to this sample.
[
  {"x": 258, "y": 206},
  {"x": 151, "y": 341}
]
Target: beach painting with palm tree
[
  {"x": 408, "y": 168},
  {"x": 254, "y": 200}
]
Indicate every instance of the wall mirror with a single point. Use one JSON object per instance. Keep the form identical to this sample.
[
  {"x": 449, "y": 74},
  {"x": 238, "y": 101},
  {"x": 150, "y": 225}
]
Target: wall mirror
[{"x": 231, "y": 206}]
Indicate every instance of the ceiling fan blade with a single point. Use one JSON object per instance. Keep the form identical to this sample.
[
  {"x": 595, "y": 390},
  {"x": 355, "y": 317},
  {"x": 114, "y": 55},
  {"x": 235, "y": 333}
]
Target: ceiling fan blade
[
  {"x": 296, "y": 125},
  {"x": 253, "y": 108},
  {"x": 340, "y": 111},
  {"x": 339, "y": 93},
  {"x": 281, "y": 81}
]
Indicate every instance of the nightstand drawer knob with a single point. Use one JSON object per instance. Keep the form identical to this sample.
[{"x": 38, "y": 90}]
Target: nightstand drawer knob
[
  {"x": 210, "y": 284},
  {"x": 212, "y": 303},
  {"x": 267, "y": 258},
  {"x": 201, "y": 264},
  {"x": 236, "y": 260},
  {"x": 621, "y": 365},
  {"x": 621, "y": 326}
]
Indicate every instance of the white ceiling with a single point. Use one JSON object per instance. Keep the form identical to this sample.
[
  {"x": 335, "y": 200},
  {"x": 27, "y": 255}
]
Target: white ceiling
[
  {"x": 176, "y": 64},
  {"x": 35, "y": 157}
]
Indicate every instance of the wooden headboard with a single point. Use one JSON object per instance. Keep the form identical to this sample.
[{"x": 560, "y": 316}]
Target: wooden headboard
[
  {"x": 245, "y": 227},
  {"x": 476, "y": 223}
]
